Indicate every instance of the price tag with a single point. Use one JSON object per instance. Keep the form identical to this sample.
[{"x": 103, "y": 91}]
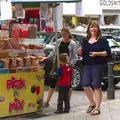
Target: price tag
[
  {"x": 13, "y": 54},
  {"x": 35, "y": 52}
]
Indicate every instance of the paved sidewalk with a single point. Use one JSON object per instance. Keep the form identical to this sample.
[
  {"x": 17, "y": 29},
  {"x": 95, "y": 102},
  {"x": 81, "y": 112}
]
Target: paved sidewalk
[{"x": 110, "y": 110}]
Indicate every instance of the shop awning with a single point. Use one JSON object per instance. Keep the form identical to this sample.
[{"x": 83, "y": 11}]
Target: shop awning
[{"x": 23, "y": 1}]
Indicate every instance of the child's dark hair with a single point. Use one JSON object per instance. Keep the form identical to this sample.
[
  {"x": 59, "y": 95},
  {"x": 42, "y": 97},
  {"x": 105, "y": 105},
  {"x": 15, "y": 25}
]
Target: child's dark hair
[{"x": 63, "y": 57}]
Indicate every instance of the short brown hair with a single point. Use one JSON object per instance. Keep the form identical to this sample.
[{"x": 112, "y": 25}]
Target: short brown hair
[
  {"x": 63, "y": 57},
  {"x": 67, "y": 30},
  {"x": 88, "y": 30}
]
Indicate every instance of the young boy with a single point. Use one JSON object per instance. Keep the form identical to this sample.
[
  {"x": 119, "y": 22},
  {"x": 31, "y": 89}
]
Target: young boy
[{"x": 63, "y": 76}]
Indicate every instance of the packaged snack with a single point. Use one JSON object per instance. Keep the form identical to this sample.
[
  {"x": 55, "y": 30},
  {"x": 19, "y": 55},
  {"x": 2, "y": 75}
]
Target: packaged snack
[
  {"x": 16, "y": 32},
  {"x": 26, "y": 61},
  {"x": 19, "y": 62},
  {"x": 33, "y": 60},
  {"x": 12, "y": 63},
  {"x": 32, "y": 31},
  {"x": 24, "y": 33},
  {"x": 34, "y": 63},
  {"x": 1, "y": 44},
  {"x": 7, "y": 44},
  {"x": 20, "y": 65}
]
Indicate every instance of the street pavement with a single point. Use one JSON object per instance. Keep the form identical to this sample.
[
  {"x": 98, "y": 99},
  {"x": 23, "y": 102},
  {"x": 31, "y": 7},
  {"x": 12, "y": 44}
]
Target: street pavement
[{"x": 110, "y": 109}]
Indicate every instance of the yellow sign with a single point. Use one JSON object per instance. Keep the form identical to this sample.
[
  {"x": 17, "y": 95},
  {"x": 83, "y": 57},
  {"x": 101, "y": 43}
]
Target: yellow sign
[
  {"x": 116, "y": 67},
  {"x": 21, "y": 93}
]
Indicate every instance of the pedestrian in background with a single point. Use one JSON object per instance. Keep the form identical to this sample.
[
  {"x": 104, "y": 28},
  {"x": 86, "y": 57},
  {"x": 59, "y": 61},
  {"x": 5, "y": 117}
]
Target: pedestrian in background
[
  {"x": 63, "y": 80},
  {"x": 94, "y": 52},
  {"x": 65, "y": 45}
]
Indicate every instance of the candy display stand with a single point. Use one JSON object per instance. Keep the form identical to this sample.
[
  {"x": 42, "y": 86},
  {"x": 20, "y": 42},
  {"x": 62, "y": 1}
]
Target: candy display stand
[{"x": 22, "y": 82}]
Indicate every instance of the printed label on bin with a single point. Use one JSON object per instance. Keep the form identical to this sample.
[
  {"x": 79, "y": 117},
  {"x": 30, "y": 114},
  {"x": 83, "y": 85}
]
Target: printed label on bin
[
  {"x": 13, "y": 54},
  {"x": 37, "y": 52}
]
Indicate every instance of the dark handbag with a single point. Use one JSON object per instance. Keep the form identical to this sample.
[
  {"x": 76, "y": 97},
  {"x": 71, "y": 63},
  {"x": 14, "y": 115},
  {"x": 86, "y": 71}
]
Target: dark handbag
[{"x": 53, "y": 71}]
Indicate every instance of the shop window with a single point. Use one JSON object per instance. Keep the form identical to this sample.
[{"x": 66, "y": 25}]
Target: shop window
[{"x": 109, "y": 20}]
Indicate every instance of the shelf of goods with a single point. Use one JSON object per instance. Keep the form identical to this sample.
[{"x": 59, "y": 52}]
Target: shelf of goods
[{"x": 21, "y": 80}]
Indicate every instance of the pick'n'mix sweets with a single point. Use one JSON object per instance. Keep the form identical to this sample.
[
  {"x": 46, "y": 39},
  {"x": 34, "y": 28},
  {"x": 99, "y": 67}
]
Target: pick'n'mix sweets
[{"x": 20, "y": 64}]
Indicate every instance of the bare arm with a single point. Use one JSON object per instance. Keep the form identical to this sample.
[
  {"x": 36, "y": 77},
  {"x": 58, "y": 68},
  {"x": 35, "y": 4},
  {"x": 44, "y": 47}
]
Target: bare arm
[{"x": 102, "y": 53}]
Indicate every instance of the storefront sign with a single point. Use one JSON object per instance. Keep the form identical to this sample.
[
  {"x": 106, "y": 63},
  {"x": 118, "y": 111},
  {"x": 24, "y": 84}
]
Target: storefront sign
[
  {"x": 79, "y": 10},
  {"x": 91, "y": 7},
  {"x": 110, "y": 4}
]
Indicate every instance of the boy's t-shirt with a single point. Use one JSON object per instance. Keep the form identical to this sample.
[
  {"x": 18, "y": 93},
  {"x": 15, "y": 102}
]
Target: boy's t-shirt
[{"x": 64, "y": 74}]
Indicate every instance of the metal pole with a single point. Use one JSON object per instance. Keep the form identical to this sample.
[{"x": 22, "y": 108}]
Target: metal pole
[
  {"x": 110, "y": 90},
  {"x": 40, "y": 25},
  {"x": 56, "y": 38},
  {"x": 56, "y": 35}
]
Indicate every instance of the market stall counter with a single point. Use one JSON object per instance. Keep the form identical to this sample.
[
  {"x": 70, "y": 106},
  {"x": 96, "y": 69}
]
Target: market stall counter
[{"x": 21, "y": 80}]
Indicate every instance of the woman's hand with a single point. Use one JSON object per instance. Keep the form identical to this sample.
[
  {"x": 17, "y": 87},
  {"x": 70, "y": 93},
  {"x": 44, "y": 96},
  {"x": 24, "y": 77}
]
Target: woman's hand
[
  {"x": 79, "y": 51},
  {"x": 93, "y": 54},
  {"x": 103, "y": 53},
  {"x": 44, "y": 59}
]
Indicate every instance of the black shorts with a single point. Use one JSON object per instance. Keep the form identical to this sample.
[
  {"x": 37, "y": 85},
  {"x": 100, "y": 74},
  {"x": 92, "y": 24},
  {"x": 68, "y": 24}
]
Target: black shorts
[{"x": 92, "y": 75}]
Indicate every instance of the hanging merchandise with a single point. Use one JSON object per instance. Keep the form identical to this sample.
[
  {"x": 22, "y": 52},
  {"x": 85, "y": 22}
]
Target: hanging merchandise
[
  {"x": 43, "y": 15},
  {"x": 19, "y": 11},
  {"x": 6, "y": 10},
  {"x": 43, "y": 9}
]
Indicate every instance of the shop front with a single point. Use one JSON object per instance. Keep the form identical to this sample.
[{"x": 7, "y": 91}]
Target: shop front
[
  {"x": 81, "y": 12},
  {"x": 104, "y": 11},
  {"x": 111, "y": 11},
  {"x": 111, "y": 17}
]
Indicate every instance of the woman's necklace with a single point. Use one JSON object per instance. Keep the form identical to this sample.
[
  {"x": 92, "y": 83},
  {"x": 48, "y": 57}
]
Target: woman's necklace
[{"x": 91, "y": 41}]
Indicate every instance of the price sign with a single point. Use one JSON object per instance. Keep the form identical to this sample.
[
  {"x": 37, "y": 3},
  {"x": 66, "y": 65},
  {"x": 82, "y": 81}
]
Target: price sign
[{"x": 13, "y": 54}]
